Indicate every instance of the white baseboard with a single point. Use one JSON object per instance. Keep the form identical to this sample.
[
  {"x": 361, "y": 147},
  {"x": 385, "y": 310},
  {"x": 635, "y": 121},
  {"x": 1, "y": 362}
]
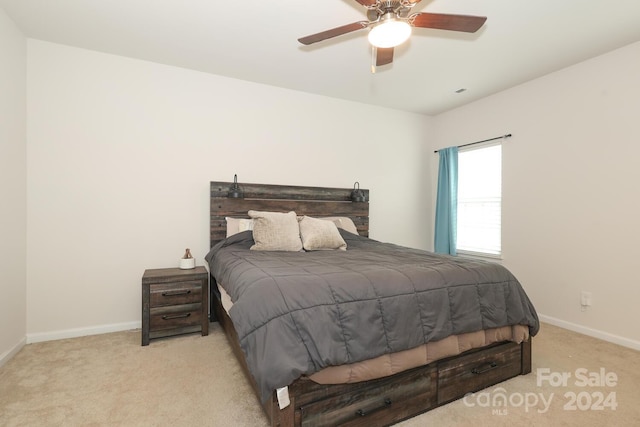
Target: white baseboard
[
  {"x": 7, "y": 355},
  {"x": 117, "y": 327},
  {"x": 81, "y": 332},
  {"x": 625, "y": 342}
]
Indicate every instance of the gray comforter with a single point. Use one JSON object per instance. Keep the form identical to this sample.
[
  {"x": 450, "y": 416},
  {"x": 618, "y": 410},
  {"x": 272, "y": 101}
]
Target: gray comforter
[{"x": 298, "y": 312}]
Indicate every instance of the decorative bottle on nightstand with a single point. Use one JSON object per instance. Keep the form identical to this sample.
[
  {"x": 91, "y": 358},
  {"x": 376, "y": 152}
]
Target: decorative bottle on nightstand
[{"x": 187, "y": 261}]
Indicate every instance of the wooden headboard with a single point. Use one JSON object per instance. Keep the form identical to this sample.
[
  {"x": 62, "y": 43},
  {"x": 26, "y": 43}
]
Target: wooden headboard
[{"x": 311, "y": 201}]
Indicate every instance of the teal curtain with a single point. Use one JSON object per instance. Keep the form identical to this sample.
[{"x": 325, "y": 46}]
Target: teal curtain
[{"x": 447, "y": 202}]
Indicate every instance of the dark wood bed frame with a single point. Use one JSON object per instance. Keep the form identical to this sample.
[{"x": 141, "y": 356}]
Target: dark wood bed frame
[{"x": 377, "y": 402}]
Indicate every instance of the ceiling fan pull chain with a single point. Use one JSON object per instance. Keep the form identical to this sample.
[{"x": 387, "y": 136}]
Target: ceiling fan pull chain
[{"x": 374, "y": 52}]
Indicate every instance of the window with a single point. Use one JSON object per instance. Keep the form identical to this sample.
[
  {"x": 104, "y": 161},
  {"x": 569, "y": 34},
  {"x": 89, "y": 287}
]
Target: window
[{"x": 480, "y": 200}]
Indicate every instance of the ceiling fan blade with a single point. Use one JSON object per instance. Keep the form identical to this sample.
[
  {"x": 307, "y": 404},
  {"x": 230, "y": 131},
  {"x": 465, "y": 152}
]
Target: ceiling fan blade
[
  {"x": 368, "y": 2},
  {"x": 442, "y": 21},
  {"x": 384, "y": 56},
  {"x": 333, "y": 32}
]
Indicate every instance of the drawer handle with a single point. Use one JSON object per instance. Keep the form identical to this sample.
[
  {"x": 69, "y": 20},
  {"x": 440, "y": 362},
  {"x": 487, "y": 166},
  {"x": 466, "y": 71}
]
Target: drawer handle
[
  {"x": 174, "y": 293},
  {"x": 363, "y": 413},
  {"x": 484, "y": 368},
  {"x": 176, "y": 316}
]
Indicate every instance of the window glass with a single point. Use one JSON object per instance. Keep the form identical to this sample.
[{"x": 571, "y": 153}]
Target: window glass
[{"x": 480, "y": 200}]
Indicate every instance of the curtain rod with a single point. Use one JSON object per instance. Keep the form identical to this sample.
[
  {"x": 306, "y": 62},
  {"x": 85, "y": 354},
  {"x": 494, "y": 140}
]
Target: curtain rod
[{"x": 484, "y": 140}]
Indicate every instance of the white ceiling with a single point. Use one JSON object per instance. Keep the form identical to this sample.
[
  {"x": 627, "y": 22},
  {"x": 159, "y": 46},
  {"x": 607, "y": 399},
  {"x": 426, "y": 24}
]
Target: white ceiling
[{"x": 256, "y": 40}]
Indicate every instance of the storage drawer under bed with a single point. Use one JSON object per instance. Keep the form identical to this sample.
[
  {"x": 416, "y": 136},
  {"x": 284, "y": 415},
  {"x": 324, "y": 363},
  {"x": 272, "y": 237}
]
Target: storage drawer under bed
[
  {"x": 382, "y": 400},
  {"x": 385, "y": 401},
  {"x": 478, "y": 370}
]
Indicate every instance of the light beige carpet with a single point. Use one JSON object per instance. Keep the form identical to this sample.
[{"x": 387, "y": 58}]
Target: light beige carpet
[{"x": 110, "y": 380}]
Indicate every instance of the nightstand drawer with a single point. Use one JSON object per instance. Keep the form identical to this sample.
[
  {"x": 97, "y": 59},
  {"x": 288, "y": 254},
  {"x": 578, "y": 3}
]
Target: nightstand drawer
[
  {"x": 175, "y": 293},
  {"x": 177, "y": 316}
]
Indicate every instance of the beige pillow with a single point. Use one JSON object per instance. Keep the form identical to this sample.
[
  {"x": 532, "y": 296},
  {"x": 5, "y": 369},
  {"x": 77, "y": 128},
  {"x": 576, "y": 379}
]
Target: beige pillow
[
  {"x": 320, "y": 234},
  {"x": 343, "y": 222},
  {"x": 275, "y": 231}
]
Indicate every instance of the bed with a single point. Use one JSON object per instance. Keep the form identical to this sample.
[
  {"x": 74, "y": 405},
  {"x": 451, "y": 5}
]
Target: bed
[{"x": 315, "y": 355}]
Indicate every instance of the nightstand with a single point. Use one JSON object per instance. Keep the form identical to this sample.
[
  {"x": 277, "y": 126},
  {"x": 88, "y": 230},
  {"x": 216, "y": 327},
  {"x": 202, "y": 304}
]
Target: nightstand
[{"x": 174, "y": 301}]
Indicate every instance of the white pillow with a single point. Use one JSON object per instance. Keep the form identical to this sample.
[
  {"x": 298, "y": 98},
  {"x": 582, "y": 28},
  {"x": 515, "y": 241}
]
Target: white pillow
[
  {"x": 275, "y": 231},
  {"x": 320, "y": 234},
  {"x": 343, "y": 222},
  {"x": 236, "y": 225},
  {"x": 245, "y": 224}
]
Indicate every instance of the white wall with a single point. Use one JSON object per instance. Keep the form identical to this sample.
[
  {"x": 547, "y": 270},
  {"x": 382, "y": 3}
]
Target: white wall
[
  {"x": 13, "y": 192},
  {"x": 121, "y": 153},
  {"x": 570, "y": 188}
]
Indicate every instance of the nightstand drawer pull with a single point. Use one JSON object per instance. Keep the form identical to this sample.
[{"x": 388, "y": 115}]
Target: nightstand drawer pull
[
  {"x": 174, "y": 293},
  {"x": 175, "y": 316}
]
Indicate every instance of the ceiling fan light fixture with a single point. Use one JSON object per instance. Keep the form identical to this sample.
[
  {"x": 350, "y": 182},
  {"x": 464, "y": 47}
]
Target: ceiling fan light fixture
[{"x": 389, "y": 33}]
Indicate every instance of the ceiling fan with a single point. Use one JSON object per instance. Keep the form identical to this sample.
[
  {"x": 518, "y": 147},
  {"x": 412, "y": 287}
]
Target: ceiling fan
[{"x": 391, "y": 22}]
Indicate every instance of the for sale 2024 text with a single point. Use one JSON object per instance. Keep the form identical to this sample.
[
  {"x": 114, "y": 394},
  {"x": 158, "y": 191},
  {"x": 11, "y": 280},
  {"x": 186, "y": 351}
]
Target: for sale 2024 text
[{"x": 593, "y": 398}]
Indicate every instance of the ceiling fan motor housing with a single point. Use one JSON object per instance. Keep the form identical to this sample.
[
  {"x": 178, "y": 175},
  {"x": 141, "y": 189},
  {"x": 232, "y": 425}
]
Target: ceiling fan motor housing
[{"x": 387, "y": 9}]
